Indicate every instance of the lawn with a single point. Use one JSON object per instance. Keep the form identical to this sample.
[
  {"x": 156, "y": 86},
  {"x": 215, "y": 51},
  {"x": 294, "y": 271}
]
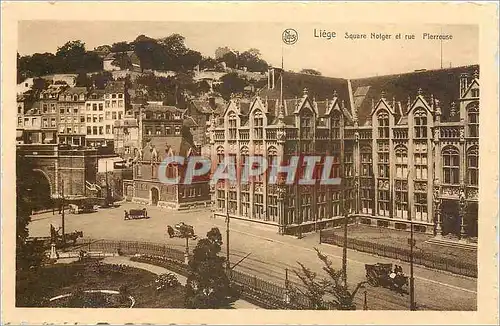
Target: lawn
[
  {"x": 35, "y": 288},
  {"x": 397, "y": 238}
]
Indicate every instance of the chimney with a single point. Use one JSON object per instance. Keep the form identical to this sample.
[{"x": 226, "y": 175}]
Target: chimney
[{"x": 464, "y": 79}]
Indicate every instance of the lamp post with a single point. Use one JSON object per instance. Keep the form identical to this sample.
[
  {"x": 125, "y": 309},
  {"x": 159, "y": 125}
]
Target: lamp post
[
  {"x": 412, "y": 243},
  {"x": 62, "y": 214},
  {"x": 228, "y": 264}
]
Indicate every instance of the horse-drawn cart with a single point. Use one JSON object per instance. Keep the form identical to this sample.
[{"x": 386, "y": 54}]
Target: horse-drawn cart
[
  {"x": 384, "y": 275},
  {"x": 181, "y": 230},
  {"x": 135, "y": 214}
]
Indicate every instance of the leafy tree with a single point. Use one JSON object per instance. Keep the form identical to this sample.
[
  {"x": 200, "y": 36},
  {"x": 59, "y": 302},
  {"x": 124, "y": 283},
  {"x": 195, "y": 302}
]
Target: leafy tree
[
  {"x": 251, "y": 59},
  {"x": 122, "y": 60},
  {"x": 82, "y": 80},
  {"x": 202, "y": 87},
  {"x": 208, "y": 63},
  {"x": 310, "y": 72},
  {"x": 221, "y": 51},
  {"x": 326, "y": 293},
  {"x": 231, "y": 59},
  {"x": 121, "y": 47},
  {"x": 208, "y": 286},
  {"x": 100, "y": 79},
  {"x": 28, "y": 255},
  {"x": 39, "y": 64},
  {"x": 230, "y": 84}
]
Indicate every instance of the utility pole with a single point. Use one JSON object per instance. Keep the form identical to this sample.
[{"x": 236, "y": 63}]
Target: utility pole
[
  {"x": 62, "y": 214},
  {"x": 344, "y": 251},
  {"x": 228, "y": 264},
  {"x": 412, "y": 280}
]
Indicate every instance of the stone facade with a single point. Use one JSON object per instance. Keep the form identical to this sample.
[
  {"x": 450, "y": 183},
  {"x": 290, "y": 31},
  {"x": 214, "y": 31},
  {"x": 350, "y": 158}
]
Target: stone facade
[{"x": 406, "y": 155}]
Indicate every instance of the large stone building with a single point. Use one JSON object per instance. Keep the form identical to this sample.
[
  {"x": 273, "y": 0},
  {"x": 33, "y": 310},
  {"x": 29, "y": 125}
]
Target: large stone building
[
  {"x": 405, "y": 146},
  {"x": 162, "y": 133}
]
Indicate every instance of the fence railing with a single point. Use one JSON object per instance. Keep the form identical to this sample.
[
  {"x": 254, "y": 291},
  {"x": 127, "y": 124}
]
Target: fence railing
[
  {"x": 419, "y": 257},
  {"x": 254, "y": 289}
]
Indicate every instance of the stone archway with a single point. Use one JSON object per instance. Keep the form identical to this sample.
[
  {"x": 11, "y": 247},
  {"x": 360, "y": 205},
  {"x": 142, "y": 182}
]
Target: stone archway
[
  {"x": 155, "y": 196},
  {"x": 40, "y": 189}
]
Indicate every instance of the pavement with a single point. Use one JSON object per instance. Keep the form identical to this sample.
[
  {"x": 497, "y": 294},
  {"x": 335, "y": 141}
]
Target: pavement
[{"x": 272, "y": 256}]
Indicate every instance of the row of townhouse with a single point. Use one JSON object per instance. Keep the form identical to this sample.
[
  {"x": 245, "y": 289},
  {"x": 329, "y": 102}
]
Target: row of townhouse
[{"x": 72, "y": 115}]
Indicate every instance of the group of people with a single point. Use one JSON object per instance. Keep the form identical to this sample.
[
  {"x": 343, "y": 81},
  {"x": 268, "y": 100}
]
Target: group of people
[{"x": 397, "y": 271}]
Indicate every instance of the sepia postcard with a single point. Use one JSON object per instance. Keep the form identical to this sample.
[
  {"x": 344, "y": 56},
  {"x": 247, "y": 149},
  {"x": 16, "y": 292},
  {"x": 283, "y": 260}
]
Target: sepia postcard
[{"x": 249, "y": 163}]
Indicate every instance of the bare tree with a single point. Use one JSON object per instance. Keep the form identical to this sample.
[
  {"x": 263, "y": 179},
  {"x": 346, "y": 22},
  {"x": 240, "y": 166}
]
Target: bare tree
[{"x": 324, "y": 293}]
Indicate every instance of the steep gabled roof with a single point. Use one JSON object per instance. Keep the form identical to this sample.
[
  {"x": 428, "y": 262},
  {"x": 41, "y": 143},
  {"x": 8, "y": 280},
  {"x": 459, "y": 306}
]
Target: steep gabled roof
[{"x": 443, "y": 84}]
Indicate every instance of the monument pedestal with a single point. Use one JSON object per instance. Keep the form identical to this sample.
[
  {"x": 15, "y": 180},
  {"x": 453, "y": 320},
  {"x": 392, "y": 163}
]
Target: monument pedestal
[{"x": 53, "y": 252}]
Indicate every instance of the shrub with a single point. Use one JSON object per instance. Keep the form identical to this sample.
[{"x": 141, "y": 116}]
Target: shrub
[{"x": 166, "y": 281}]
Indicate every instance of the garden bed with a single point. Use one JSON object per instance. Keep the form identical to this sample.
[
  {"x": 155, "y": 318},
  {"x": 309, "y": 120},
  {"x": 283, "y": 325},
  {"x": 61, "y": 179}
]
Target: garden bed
[{"x": 35, "y": 288}]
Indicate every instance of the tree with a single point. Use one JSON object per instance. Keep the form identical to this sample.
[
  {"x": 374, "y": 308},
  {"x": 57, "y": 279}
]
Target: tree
[
  {"x": 122, "y": 60},
  {"x": 121, "y": 47},
  {"x": 82, "y": 80},
  {"x": 100, "y": 79},
  {"x": 231, "y": 59},
  {"x": 251, "y": 59},
  {"x": 221, "y": 51},
  {"x": 310, "y": 72},
  {"x": 28, "y": 255},
  {"x": 325, "y": 293},
  {"x": 208, "y": 286},
  {"x": 208, "y": 63},
  {"x": 230, "y": 84}
]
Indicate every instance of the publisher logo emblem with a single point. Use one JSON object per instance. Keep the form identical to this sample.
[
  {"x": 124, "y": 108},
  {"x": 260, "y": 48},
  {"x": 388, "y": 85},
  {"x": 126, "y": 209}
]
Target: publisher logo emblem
[{"x": 290, "y": 36}]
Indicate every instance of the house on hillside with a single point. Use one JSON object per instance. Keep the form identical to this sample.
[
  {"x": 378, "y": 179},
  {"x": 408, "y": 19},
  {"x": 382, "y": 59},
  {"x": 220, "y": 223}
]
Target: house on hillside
[{"x": 122, "y": 61}]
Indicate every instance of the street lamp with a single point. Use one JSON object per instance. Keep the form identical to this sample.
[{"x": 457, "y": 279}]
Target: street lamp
[{"x": 412, "y": 243}]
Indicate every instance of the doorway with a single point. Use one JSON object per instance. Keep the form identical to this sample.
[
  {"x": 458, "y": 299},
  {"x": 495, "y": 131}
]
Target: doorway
[{"x": 450, "y": 217}]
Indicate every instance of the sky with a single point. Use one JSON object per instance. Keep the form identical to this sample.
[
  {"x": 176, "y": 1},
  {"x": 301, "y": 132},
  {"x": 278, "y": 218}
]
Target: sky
[{"x": 337, "y": 57}]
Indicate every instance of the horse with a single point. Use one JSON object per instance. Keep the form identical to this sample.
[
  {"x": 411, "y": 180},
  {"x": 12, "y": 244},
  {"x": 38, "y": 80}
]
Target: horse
[
  {"x": 74, "y": 236},
  {"x": 398, "y": 282},
  {"x": 170, "y": 231}
]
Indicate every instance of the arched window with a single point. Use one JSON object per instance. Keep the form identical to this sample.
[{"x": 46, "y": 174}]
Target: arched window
[
  {"x": 272, "y": 154},
  {"x": 258, "y": 123},
  {"x": 232, "y": 125},
  {"x": 473, "y": 119},
  {"x": 420, "y": 123},
  {"x": 473, "y": 166},
  {"x": 75, "y": 98},
  {"x": 383, "y": 124},
  {"x": 335, "y": 125},
  {"x": 451, "y": 165}
]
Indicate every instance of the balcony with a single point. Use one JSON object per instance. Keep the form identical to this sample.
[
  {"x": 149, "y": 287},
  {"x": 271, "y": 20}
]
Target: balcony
[
  {"x": 449, "y": 132},
  {"x": 365, "y": 134}
]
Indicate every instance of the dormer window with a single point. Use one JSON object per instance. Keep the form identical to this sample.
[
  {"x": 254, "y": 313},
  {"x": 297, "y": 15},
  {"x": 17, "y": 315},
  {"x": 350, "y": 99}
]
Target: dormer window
[
  {"x": 258, "y": 123},
  {"x": 335, "y": 125},
  {"x": 232, "y": 125},
  {"x": 75, "y": 98},
  {"x": 420, "y": 124}
]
